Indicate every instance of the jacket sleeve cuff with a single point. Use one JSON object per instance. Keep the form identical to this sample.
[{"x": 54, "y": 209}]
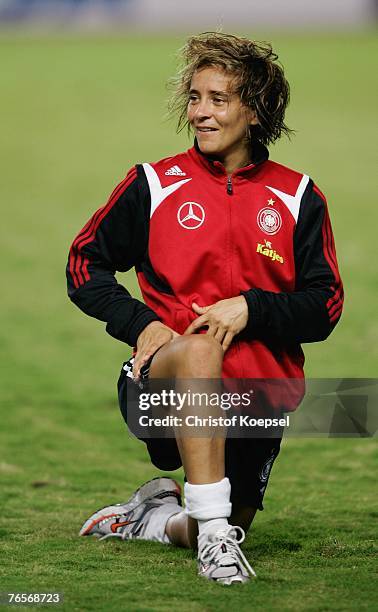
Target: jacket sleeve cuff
[
  {"x": 144, "y": 318},
  {"x": 255, "y": 318},
  {"x": 127, "y": 324}
]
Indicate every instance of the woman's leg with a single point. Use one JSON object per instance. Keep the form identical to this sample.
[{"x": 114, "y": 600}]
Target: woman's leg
[
  {"x": 193, "y": 357},
  {"x": 242, "y": 516}
]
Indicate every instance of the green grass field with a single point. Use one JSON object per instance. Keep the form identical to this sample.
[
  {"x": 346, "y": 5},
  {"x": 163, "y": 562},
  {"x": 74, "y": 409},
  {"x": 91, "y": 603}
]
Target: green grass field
[{"x": 77, "y": 113}]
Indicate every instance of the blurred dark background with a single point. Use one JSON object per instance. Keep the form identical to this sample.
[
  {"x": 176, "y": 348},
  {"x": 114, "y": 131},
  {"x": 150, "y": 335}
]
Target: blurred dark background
[{"x": 169, "y": 14}]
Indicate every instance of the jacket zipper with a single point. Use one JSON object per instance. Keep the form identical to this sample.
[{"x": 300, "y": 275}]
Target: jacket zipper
[{"x": 230, "y": 191}]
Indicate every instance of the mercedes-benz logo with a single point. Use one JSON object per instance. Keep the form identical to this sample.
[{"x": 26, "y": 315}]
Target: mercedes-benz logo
[{"x": 191, "y": 215}]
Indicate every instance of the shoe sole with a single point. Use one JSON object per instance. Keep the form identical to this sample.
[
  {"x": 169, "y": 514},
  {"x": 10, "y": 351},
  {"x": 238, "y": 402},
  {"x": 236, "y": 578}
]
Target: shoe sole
[
  {"x": 147, "y": 490},
  {"x": 228, "y": 581},
  {"x": 233, "y": 580}
]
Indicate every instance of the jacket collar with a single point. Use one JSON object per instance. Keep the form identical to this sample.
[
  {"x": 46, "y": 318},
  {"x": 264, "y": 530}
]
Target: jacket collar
[{"x": 259, "y": 155}]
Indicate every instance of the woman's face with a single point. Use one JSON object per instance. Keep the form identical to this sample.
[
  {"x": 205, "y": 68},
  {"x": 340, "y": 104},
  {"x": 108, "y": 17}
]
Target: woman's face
[{"x": 217, "y": 116}]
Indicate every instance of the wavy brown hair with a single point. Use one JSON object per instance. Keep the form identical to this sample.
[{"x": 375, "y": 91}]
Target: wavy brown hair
[{"x": 259, "y": 80}]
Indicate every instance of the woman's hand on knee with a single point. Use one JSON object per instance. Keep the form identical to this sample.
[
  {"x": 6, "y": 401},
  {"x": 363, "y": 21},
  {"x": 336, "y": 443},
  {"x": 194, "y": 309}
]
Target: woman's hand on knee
[
  {"x": 224, "y": 319},
  {"x": 153, "y": 337}
]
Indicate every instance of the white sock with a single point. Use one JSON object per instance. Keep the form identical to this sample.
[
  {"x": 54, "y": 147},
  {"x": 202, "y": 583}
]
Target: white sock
[
  {"x": 209, "y": 504},
  {"x": 211, "y": 525}
]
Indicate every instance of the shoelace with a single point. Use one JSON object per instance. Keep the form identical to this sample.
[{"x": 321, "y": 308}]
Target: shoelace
[
  {"x": 213, "y": 551},
  {"x": 116, "y": 535}
]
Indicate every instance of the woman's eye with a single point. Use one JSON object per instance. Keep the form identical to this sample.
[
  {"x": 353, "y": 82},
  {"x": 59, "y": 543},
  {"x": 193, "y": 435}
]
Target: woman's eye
[
  {"x": 193, "y": 98},
  {"x": 218, "y": 100}
]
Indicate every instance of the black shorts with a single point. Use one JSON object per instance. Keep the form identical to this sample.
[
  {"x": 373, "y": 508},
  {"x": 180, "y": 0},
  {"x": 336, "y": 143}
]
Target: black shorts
[{"x": 248, "y": 460}]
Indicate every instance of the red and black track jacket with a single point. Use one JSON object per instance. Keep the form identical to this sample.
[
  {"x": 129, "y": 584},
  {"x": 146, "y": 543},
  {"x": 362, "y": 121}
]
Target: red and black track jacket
[{"x": 194, "y": 234}]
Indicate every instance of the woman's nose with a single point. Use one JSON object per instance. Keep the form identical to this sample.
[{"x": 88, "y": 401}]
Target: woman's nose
[{"x": 203, "y": 108}]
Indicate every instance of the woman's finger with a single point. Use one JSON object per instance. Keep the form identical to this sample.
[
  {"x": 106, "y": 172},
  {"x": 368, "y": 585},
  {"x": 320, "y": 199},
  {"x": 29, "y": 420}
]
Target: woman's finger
[
  {"x": 227, "y": 340},
  {"x": 220, "y": 334},
  {"x": 200, "y": 309},
  {"x": 138, "y": 364},
  {"x": 196, "y": 324}
]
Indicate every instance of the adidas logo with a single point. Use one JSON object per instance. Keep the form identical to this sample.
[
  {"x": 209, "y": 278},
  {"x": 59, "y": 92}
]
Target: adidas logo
[{"x": 175, "y": 171}]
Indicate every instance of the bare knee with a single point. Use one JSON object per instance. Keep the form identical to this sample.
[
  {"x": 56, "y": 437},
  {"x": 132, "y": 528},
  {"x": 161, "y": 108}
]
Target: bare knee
[
  {"x": 196, "y": 356},
  {"x": 199, "y": 356}
]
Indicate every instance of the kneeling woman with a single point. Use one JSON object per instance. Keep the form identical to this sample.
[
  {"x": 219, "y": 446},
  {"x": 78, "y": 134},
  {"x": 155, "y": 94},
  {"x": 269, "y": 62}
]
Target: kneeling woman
[{"x": 227, "y": 243}]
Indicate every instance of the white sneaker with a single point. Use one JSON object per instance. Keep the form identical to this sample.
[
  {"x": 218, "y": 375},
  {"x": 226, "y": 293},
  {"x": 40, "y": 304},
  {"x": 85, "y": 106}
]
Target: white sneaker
[
  {"x": 143, "y": 516},
  {"x": 220, "y": 558}
]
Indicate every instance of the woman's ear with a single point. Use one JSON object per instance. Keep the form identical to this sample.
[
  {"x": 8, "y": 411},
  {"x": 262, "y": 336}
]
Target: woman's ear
[{"x": 252, "y": 117}]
